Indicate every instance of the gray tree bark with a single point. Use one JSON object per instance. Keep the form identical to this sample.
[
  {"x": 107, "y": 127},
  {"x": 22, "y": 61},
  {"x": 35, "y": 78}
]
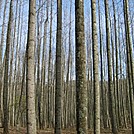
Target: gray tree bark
[
  {"x": 30, "y": 85},
  {"x": 58, "y": 91},
  {"x": 81, "y": 82},
  {"x": 110, "y": 85},
  {"x": 6, "y": 77},
  {"x": 95, "y": 70},
  {"x": 130, "y": 68}
]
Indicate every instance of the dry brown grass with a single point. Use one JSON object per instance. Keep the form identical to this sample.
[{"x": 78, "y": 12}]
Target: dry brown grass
[{"x": 67, "y": 131}]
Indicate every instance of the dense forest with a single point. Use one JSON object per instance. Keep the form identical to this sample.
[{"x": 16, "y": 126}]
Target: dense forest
[{"x": 67, "y": 66}]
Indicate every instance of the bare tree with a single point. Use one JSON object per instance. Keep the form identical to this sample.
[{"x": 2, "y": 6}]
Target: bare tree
[
  {"x": 130, "y": 65},
  {"x": 95, "y": 70},
  {"x": 81, "y": 86},
  {"x": 58, "y": 91},
  {"x": 1, "y": 65},
  {"x": 110, "y": 87},
  {"x": 6, "y": 77},
  {"x": 30, "y": 85}
]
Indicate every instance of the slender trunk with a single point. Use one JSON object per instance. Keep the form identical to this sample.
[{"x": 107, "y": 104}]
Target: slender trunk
[
  {"x": 44, "y": 71},
  {"x": 117, "y": 70},
  {"x": 110, "y": 87},
  {"x": 95, "y": 70},
  {"x": 129, "y": 61},
  {"x": 58, "y": 90},
  {"x": 6, "y": 78},
  {"x": 39, "y": 31},
  {"x": 1, "y": 66},
  {"x": 101, "y": 63},
  {"x": 81, "y": 86},
  {"x": 50, "y": 70},
  {"x": 30, "y": 85}
]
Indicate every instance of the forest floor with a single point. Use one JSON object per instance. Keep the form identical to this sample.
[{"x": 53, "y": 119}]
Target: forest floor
[{"x": 68, "y": 131}]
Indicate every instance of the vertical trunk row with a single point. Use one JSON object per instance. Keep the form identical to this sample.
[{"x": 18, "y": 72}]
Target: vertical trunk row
[
  {"x": 110, "y": 84},
  {"x": 6, "y": 77}
]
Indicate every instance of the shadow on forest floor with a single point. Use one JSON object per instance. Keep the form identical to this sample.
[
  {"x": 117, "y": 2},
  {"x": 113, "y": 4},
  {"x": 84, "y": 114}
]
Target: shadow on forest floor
[{"x": 68, "y": 131}]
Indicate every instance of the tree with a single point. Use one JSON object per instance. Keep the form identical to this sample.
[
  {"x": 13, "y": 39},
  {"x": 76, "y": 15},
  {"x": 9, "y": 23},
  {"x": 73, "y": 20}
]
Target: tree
[
  {"x": 110, "y": 88},
  {"x": 6, "y": 78},
  {"x": 130, "y": 65},
  {"x": 43, "y": 80},
  {"x": 50, "y": 69},
  {"x": 104, "y": 108},
  {"x": 38, "y": 44},
  {"x": 81, "y": 86},
  {"x": 95, "y": 71},
  {"x": 1, "y": 65},
  {"x": 30, "y": 85},
  {"x": 58, "y": 92},
  {"x": 117, "y": 70}
]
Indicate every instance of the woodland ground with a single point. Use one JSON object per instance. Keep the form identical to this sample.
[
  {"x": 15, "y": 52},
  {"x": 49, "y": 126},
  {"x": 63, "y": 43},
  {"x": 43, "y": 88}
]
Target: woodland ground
[{"x": 68, "y": 131}]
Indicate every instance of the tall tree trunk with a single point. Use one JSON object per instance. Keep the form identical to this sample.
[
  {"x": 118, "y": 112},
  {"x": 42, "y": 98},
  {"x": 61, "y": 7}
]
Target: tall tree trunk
[
  {"x": 117, "y": 70},
  {"x": 95, "y": 70},
  {"x": 1, "y": 65},
  {"x": 110, "y": 87},
  {"x": 58, "y": 91},
  {"x": 121, "y": 83},
  {"x": 101, "y": 64},
  {"x": 6, "y": 77},
  {"x": 12, "y": 86},
  {"x": 30, "y": 85},
  {"x": 80, "y": 53},
  {"x": 15, "y": 90},
  {"x": 39, "y": 31},
  {"x": 130, "y": 68},
  {"x": 68, "y": 81},
  {"x": 50, "y": 71},
  {"x": 43, "y": 80}
]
